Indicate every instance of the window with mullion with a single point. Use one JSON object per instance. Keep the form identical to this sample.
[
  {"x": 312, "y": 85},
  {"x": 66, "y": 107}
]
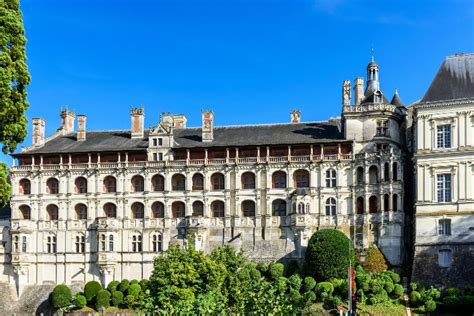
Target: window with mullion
[
  {"x": 443, "y": 187},
  {"x": 444, "y": 227},
  {"x": 443, "y": 136}
]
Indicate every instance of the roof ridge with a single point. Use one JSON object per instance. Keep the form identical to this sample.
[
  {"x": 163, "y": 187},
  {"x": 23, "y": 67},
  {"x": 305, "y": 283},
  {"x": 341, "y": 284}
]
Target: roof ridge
[{"x": 264, "y": 124}]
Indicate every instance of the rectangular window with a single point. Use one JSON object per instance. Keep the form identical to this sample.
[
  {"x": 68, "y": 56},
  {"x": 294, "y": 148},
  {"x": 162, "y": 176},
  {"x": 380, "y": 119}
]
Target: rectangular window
[
  {"x": 443, "y": 186},
  {"x": 382, "y": 128},
  {"x": 160, "y": 141},
  {"x": 443, "y": 136},
  {"x": 444, "y": 227},
  {"x": 444, "y": 258},
  {"x": 155, "y": 157},
  {"x": 154, "y": 142},
  {"x": 160, "y": 157}
]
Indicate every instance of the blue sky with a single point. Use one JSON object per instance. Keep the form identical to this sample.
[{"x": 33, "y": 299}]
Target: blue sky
[{"x": 249, "y": 61}]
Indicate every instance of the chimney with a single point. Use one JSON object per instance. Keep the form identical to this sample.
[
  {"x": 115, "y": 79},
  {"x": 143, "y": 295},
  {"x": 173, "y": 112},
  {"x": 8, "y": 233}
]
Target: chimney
[
  {"x": 295, "y": 116},
  {"x": 81, "y": 127},
  {"x": 67, "y": 121},
  {"x": 346, "y": 95},
  {"x": 207, "y": 126},
  {"x": 358, "y": 90},
  {"x": 138, "y": 118},
  {"x": 38, "y": 131}
]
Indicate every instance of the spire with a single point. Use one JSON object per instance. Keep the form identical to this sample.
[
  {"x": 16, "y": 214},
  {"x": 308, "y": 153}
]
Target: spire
[
  {"x": 372, "y": 76},
  {"x": 396, "y": 99}
]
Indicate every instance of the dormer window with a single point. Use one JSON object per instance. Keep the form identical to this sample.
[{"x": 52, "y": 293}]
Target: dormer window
[{"x": 382, "y": 128}]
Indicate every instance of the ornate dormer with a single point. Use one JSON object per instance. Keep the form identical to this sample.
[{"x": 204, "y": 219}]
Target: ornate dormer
[{"x": 160, "y": 138}]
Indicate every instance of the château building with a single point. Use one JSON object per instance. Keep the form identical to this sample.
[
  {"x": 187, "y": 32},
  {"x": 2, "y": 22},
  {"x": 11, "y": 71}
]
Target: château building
[{"x": 102, "y": 204}]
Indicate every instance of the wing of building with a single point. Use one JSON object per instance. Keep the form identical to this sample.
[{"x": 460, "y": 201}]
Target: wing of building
[
  {"x": 444, "y": 162},
  {"x": 102, "y": 204}
]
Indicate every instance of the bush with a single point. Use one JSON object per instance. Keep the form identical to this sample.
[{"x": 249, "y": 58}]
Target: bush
[
  {"x": 452, "y": 291},
  {"x": 469, "y": 290},
  {"x": 324, "y": 289},
  {"x": 295, "y": 296},
  {"x": 308, "y": 284},
  {"x": 375, "y": 261},
  {"x": 134, "y": 290},
  {"x": 397, "y": 291},
  {"x": 394, "y": 276},
  {"x": 295, "y": 281},
  {"x": 80, "y": 301},
  {"x": 91, "y": 289},
  {"x": 276, "y": 270},
  {"x": 281, "y": 283},
  {"x": 123, "y": 286},
  {"x": 430, "y": 294},
  {"x": 61, "y": 296},
  {"x": 309, "y": 297},
  {"x": 327, "y": 255},
  {"x": 117, "y": 298},
  {"x": 130, "y": 301},
  {"x": 112, "y": 287},
  {"x": 451, "y": 300},
  {"x": 413, "y": 286},
  {"x": 415, "y": 298},
  {"x": 430, "y": 306},
  {"x": 134, "y": 281},
  {"x": 102, "y": 300},
  {"x": 262, "y": 267}
]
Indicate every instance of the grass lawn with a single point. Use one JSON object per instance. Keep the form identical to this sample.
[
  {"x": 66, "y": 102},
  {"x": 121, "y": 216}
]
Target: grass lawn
[{"x": 363, "y": 310}]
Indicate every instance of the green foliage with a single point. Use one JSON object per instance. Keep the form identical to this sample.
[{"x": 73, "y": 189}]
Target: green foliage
[
  {"x": 134, "y": 281},
  {"x": 134, "y": 290},
  {"x": 112, "y": 286},
  {"x": 61, "y": 296},
  {"x": 276, "y": 270},
  {"x": 452, "y": 291},
  {"x": 451, "y": 300},
  {"x": 397, "y": 291},
  {"x": 102, "y": 300},
  {"x": 80, "y": 301},
  {"x": 375, "y": 260},
  {"x": 91, "y": 289},
  {"x": 378, "y": 298},
  {"x": 123, "y": 286},
  {"x": 295, "y": 281},
  {"x": 117, "y": 298},
  {"x": 324, "y": 289},
  {"x": 430, "y": 306},
  {"x": 394, "y": 276},
  {"x": 309, "y": 297},
  {"x": 262, "y": 267},
  {"x": 469, "y": 290},
  {"x": 327, "y": 255},
  {"x": 308, "y": 284},
  {"x": 415, "y": 298},
  {"x": 430, "y": 294},
  {"x": 5, "y": 187}
]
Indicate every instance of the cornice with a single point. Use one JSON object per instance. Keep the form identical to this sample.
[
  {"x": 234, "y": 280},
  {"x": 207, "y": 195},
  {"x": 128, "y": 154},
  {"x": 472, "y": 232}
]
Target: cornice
[{"x": 436, "y": 104}]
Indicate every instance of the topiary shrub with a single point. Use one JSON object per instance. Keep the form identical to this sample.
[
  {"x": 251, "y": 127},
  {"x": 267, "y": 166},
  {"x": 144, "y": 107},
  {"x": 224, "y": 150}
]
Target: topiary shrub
[
  {"x": 134, "y": 290},
  {"x": 61, "y": 296},
  {"x": 130, "y": 301},
  {"x": 415, "y": 298},
  {"x": 144, "y": 284},
  {"x": 112, "y": 286},
  {"x": 91, "y": 289},
  {"x": 397, "y": 291},
  {"x": 375, "y": 261},
  {"x": 123, "y": 286},
  {"x": 324, "y": 289},
  {"x": 327, "y": 255},
  {"x": 134, "y": 281},
  {"x": 276, "y": 270},
  {"x": 430, "y": 306},
  {"x": 80, "y": 301},
  {"x": 394, "y": 276},
  {"x": 262, "y": 267},
  {"x": 309, "y": 297},
  {"x": 117, "y": 298},
  {"x": 281, "y": 283},
  {"x": 308, "y": 284},
  {"x": 295, "y": 281},
  {"x": 294, "y": 296},
  {"x": 452, "y": 291},
  {"x": 102, "y": 300}
]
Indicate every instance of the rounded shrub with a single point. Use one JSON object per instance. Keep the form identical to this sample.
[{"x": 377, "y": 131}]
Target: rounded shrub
[
  {"x": 324, "y": 289},
  {"x": 308, "y": 284},
  {"x": 80, "y": 301},
  {"x": 469, "y": 290},
  {"x": 102, "y": 300},
  {"x": 295, "y": 281},
  {"x": 91, "y": 289},
  {"x": 130, "y": 301},
  {"x": 254, "y": 273},
  {"x": 262, "y": 267},
  {"x": 327, "y": 255},
  {"x": 134, "y": 290},
  {"x": 415, "y": 298},
  {"x": 394, "y": 276},
  {"x": 397, "y": 291},
  {"x": 451, "y": 300},
  {"x": 452, "y": 291},
  {"x": 294, "y": 296},
  {"x": 61, "y": 296},
  {"x": 123, "y": 286},
  {"x": 281, "y": 283},
  {"x": 430, "y": 306},
  {"x": 276, "y": 270},
  {"x": 117, "y": 298},
  {"x": 144, "y": 284},
  {"x": 112, "y": 286},
  {"x": 134, "y": 281},
  {"x": 309, "y": 297},
  {"x": 375, "y": 261}
]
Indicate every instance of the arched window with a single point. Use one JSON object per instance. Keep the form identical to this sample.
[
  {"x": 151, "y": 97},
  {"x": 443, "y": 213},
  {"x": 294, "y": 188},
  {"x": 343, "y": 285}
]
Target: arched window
[
  {"x": 373, "y": 175},
  {"x": 360, "y": 175},
  {"x": 110, "y": 210},
  {"x": 386, "y": 202},
  {"x": 51, "y": 244},
  {"x": 80, "y": 244},
  {"x": 158, "y": 183},
  {"x": 198, "y": 182},
  {"x": 25, "y": 186},
  {"x": 80, "y": 185},
  {"x": 25, "y": 211},
  {"x": 138, "y": 210},
  {"x": 301, "y": 208},
  {"x": 330, "y": 178},
  {"x": 137, "y": 243},
  {"x": 178, "y": 209},
  {"x": 301, "y": 179},
  {"x": 158, "y": 210},
  {"x": 248, "y": 181},
  {"x": 279, "y": 207},
  {"x": 279, "y": 180},
  {"x": 386, "y": 171},
  {"x": 198, "y": 209},
  {"x": 217, "y": 208},
  {"x": 395, "y": 202},
  {"x": 52, "y": 186},
  {"x": 178, "y": 182},
  {"x": 373, "y": 204},
  {"x": 157, "y": 242},
  {"x": 360, "y": 205},
  {"x": 331, "y": 207},
  {"x": 248, "y": 208},
  {"x": 217, "y": 182},
  {"x": 81, "y": 211},
  {"x": 138, "y": 184},
  {"x": 110, "y": 184},
  {"x": 395, "y": 171},
  {"x": 52, "y": 211}
]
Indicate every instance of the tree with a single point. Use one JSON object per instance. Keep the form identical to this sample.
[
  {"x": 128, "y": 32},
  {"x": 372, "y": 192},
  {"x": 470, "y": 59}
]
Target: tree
[
  {"x": 61, "y": 296},
  {"x": 327, "y": 255},
  {"x": 375, "y": 260},
  {"x": 14, "y": 78}
]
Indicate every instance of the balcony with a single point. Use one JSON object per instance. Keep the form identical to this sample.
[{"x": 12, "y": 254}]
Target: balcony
[
  {"x": 104, "y": 223},
  {"x": 22, "y": 225}
]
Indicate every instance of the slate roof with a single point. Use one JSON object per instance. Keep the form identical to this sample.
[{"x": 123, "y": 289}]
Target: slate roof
[
  {"x": 396, "y": 100},
  {"x": 225, "y": 136},
  {"x": 454, "y": 80}
]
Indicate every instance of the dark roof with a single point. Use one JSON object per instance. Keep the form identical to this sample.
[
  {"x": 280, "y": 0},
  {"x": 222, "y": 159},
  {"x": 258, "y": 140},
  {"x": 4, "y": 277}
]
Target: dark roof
[
  {"x": 454, "y": 80},
  {"x": 396, "y": 100},
  {"x": 226, "y": 136},
  {"x": 370, "y": 98}
]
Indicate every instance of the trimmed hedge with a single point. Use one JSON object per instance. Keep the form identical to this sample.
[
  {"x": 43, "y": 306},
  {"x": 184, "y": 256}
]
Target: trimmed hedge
[
  {"x": 61, "y": 296},
  {"x": 112, "y": 287},
  {"x": 91, "y": 289},
  {"x": 117, "y": 298},
  {"x": 102, "y": 300},
  {"x": 308, "y": 284},
  {"x": 276, "y": 270},
  {"x": 375, "y": 260},
  {"x": 80, "y": 300},
  {"x": 123, "y": 286},
  {"x": 134, "y": 290}
]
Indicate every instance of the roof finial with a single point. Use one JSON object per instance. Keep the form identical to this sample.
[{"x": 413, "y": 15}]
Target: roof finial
[
  {"x": 372, "y": 54},
  {"x": 396, "y": 90}
]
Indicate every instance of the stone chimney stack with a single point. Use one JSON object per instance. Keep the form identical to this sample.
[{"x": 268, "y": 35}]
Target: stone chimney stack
[
  {"x": 358, "y": 90},
  {"x": 207, "y": 126},
  {"x": 138, "y": 122},
  {"x": 346, "y": 95},
  {"x": 38, "y": 131},
  {"x": 67, "y": 121},
  {"x": 295, "y": 116},
  {"x": 81, "y": 127}
]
